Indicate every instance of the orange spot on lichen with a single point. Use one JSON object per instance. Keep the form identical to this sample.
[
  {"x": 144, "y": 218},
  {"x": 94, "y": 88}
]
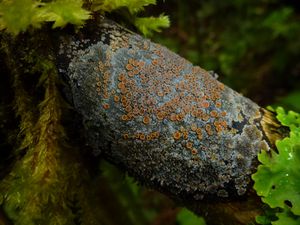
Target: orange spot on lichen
[
  {"x": 146, "y": 120},
  {"x": 194, "y": 113},
  {"x": 208, "y": 129},
  {"x": 141, "y": 64},
  {"x": 218, "y": 104},
  {"x": 153, "y": 135},
  {"x": 223, "y": 113},
  {"x": 199, "y": 133},
  {"x": 176, "y": 135},
  {"x": 142, "y": 111},
  {"x": 121, "y": 77},
  {"x": 116, "y": 98},
  {"x": 137, "y": 135},
  {"x": 189, "y": 145},
  {"x": 160, "y": 93},
  {"x": 125, "y": 136},
  {"x": 142, "y": 137},
  {"x": 148, "y": 138},
  {"x": 205, "y": 117},
  {"x": 135, "y": 62},
  {"x": 106, "y": 106},
  {"x": 129, "y": 67},
  {"x": 219, "y": 128},
  {"x": 179, "y": 117},
  {"x": 173, "y": 117},
  {"x": 128, "y": 108},
  {"x": 194, "y": 151},
  {"x": 223, "y": 123},
  {"x": 205, "y": 104},
  {"x": 160, "y": 115},
  {"x": 154, "y": 61},
  {"x": 131, "y": 74},
  {"x": 121, "y": 85},
  {"x": 136, "y": 71},
  {"x": 214, "y": 113},
  {"x": 124, "y": 117},
  {"x": 199, "y": 136}
]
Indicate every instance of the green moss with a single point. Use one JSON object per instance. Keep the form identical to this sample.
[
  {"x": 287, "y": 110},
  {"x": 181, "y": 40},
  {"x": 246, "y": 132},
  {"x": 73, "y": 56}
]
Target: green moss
[
  {"x": 277, "y": 180},
  {"x": 18, "y": 15}
]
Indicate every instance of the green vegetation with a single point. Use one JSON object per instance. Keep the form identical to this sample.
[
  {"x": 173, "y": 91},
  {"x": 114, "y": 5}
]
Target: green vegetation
[
  {"x": 277, "y": 180},
  {"x": 18, "y": 15}
]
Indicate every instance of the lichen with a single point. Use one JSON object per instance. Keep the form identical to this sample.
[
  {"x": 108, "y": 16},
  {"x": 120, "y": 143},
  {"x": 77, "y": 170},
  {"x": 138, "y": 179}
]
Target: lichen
[{"x": 169, "y": 123}]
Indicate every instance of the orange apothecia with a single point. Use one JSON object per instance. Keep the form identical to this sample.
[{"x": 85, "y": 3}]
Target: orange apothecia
[
  {"x": 146, "y": 120},
  {"x": 142, "y": 137},
  {"x": 129, "y": 67},
  {"x": 148, "y": 137},
  {"x": 116, "y": 98},
  {"x": 214, "y": 113},
  {"x": 125, "y": 136},
  {"x": 173, "y": 117},
  {"x": 194, "y": 151},
  {"x": 176, "y": 135},
  {"x": 189, "y": 145},
  {"x": 218, "y": 104},
  {"x": 223, "y": 114},
  {"x": 124, "y": 117},
  {"x": 106, "y": 106},
  {"x": 205, "y": 104},
  {"x": 160, "y": 115}
]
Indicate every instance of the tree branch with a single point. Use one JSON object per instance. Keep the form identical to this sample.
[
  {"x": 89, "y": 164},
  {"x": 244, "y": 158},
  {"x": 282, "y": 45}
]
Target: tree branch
[{"x": 169, "y": 124}]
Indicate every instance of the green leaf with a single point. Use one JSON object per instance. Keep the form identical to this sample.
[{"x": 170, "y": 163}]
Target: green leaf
[
  {"x": 277, "y": 180},
  {"x": 17, "y": 15},
  {"x": 149, "y": 24},
  {"x": 286, "y": 218},
  {"x": 62, "y": 12}
]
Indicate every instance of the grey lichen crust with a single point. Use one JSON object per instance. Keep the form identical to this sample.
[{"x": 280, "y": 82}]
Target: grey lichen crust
[{"x": 168, "y": 123}]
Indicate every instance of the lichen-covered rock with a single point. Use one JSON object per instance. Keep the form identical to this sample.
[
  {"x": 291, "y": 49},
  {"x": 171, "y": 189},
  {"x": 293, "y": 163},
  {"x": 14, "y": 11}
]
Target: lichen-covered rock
[{"x": 168, "y": 123}]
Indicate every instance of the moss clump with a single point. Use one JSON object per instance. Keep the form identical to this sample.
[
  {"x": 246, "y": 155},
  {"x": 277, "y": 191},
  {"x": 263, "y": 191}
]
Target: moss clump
[{"x": 18, "y": 15}]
